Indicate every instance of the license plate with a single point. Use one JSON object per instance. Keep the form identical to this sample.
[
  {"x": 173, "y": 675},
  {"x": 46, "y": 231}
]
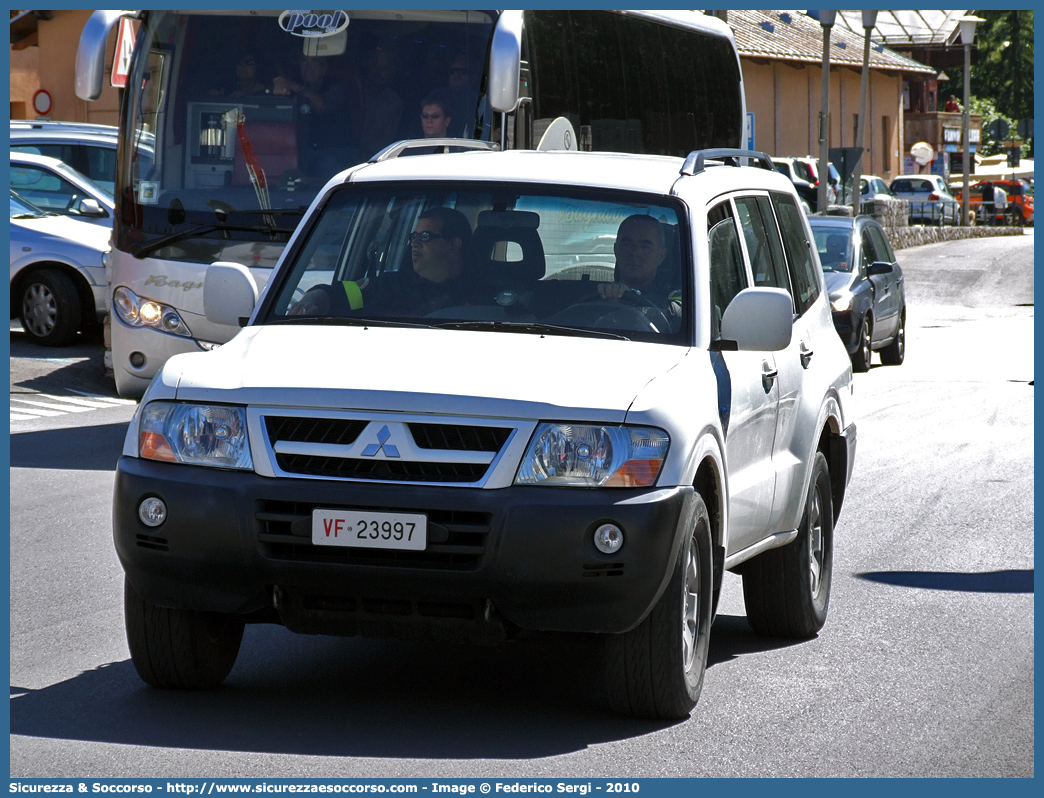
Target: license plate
[{"x": 358, "y": 529}]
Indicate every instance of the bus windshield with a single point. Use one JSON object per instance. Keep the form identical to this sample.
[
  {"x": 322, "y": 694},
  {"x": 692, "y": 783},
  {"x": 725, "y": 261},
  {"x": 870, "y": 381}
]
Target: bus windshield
[{"x": 234, "y": 123}]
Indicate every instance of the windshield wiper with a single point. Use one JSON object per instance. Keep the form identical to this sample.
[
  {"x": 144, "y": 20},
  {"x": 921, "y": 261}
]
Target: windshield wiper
[
  {"x": 202, "y": 229},
  {"x": 530, "y": 327},
  {"x": 345, "y": 321}
]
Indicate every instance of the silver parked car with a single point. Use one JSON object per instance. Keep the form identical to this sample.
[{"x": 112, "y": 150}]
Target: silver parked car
[
  {"x": 56, "y": 187},
  {"x": 58, "y": 284},
  {"x": 930, "y": 199}
]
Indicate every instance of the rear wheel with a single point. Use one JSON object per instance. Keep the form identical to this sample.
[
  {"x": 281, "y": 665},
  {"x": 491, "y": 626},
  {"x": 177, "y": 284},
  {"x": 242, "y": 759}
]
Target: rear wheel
[
  {"x": 895, "y": 352},
  {"x": 50, "y": 307},
  {"x": 861, "y": 357},
  {"x": 787, "y": 590},
  {"x": 656, "y": 670},
  {"x": 179, "y": 649}
]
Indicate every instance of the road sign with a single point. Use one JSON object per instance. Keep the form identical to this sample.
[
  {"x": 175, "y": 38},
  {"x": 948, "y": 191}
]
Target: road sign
[
  {"x": 998, "y": 129},
  {"x": 1025, "y": 128},
  {"x": 1014, "y": 157},
  {"x": 42, "y": 102},
  {"x": 122, "y": 57}
]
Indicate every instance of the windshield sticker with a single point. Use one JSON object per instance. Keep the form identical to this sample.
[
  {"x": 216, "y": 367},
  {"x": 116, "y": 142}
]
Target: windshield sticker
[
  {"x": 313, "y": 24},
  {"x": 148, "y": 192}
]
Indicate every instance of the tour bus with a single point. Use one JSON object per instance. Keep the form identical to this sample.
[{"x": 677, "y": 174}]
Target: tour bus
[{"x": 233, "y": 120}]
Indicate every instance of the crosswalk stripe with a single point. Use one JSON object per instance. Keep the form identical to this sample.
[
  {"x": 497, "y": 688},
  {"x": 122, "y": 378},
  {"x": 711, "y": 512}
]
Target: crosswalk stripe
[
  {"x": 66, "y": 408},
  {"x": 34, "y": 412},
  {"x": 17, "y": 417},
  {"x": 94, "y": 404},
  {"x": 113, "y": 399}
]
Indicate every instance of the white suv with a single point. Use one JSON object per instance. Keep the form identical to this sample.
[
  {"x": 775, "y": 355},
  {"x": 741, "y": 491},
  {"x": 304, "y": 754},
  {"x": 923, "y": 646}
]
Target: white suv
[{"x": 488, "y": 393}]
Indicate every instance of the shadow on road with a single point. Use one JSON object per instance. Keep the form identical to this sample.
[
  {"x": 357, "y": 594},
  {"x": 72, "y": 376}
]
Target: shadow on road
[
  {"x": 74, "y": 448},
  {"x": 347, "y": 697},
  {"x": 989, "y": 582},
  {"x": 79, "y": 366}
]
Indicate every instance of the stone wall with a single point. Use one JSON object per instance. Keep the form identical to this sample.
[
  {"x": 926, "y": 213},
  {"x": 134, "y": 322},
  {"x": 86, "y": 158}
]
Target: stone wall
[{"x": 893, "y": 216}]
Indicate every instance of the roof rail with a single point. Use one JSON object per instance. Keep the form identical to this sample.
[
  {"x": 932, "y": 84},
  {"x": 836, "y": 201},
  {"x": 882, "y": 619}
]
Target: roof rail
[
  {"x": 696, "y": 161},
  {"x": 440, "y": 145}
]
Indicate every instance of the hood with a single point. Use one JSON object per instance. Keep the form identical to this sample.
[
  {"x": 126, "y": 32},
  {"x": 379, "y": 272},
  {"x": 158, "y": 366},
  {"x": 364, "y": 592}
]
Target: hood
[
  {"x": 57, "y": 232},
  {"x": 838, "y": 282},
  {"x": 424, "y": 371}
]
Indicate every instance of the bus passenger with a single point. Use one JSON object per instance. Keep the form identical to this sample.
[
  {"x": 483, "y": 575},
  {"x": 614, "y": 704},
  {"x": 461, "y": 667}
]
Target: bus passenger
[
  {"x": 322, "y": 130},
  {"x": 435, "y": 115},
  {"x": 383, "y": 104}
]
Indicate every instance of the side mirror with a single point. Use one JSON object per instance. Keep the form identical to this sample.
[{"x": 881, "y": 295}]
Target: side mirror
[
  {"x": 879, "y": 267},
  {"x": 505, "y": 62},
  {"x": 759, "y": 320},
  {"x": 90, "y": 54},
  {"x": 229, "y": 293},
  {"x": 91, "y": 207}
]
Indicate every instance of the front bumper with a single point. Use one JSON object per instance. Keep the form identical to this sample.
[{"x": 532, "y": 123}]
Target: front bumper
[{"x": 519, "y": 558}]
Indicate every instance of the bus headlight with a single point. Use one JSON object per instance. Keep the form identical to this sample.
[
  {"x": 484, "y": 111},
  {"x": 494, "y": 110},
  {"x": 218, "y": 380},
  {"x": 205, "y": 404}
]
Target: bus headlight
[
  {"x": 137, "y": 311},
  {"x": 588, "y": 456},
  {"x": 207, "y": 435}
]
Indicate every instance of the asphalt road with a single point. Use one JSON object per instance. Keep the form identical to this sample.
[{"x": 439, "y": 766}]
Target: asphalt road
[{"x": 924, "y": 668}]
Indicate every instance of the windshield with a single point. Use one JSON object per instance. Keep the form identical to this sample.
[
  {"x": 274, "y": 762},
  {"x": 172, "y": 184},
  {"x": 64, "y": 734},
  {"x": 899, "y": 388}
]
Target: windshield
[
  {"x": 835, "y": 248},
  {"x": 236, "y": 123},
  {"x": 20, "y": 207},
  {"x": 517, "y": 259}
]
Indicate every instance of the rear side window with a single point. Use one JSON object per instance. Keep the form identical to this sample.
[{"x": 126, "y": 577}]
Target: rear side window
[
  {"x": 881, "y": 245},
  {"x": 799, "y": 254}
]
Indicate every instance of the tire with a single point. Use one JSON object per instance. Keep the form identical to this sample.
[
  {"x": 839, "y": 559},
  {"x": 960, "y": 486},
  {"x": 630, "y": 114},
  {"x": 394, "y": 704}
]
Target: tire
[
  {"x": 49, "y": 307},
  {"x": 895, "y": 352},
  {"x": 656, "y": 670},
  {"x": 179, "y": 649},
  {"x": 861, "y": 357},
  {"x": 787, "y": 590}
]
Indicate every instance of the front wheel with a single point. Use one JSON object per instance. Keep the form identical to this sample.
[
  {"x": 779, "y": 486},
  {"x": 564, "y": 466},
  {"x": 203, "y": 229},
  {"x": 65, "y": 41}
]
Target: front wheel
[
  {"x": 787, "y": 590},
  {"x": 50, "y": 307},
  {"x": 861, "y": 357},
  {"x": 656, "y": 670},
  {"x": 179, "y": 649},
  {"x": 895, "y": 352}
]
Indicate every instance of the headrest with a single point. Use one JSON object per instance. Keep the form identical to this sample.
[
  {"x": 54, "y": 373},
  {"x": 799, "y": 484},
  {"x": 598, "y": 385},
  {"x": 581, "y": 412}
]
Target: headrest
[
  {"x": 526, "y": 219},
  {"x": 503, "y": 274}
]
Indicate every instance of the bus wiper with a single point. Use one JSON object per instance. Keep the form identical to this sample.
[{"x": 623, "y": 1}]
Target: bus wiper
[
  {"x": 531, "y": 327},
  {"x": 202, "y": 229}
]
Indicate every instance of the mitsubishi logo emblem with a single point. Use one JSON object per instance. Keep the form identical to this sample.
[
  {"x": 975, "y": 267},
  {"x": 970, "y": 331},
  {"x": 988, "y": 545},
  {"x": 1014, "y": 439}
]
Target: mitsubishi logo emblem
[{"x": 382, "y": 443}]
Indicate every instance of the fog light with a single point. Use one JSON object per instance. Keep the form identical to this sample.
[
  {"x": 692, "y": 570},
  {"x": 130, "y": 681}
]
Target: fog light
[
  {"x": 152, "y": 511},
  {"x": 171, "y": 321},
  {"x": 137, "y": 359},
  {"x": 608, "y": 538}
]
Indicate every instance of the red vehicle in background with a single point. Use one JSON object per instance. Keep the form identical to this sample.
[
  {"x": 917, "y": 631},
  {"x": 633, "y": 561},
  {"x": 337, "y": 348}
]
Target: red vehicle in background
[{"x": 1020, "y": 200}]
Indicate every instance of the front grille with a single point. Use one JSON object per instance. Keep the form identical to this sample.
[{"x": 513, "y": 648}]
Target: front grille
[
  {"x": 383, "y": 470},
  {"x": 313, "y": 430},
  {"x": 457, "y": 437},
  {"x": 456, "y": 539}
]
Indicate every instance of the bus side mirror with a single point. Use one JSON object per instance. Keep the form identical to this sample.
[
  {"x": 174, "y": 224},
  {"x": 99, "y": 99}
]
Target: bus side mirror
[
  {"x": 759, "y": 320},
  {"x": 90, "y": 54},
  {"x": 229, "y": 293},
  {"x": 505, "y": 62}
]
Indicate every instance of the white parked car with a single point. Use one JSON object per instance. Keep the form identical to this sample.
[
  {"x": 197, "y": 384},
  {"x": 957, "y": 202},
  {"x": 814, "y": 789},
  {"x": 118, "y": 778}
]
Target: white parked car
[
  {"x": 58, "y": 284},
  {"x": 56, "y": 187},
  {"x": 432, "y": 425}
]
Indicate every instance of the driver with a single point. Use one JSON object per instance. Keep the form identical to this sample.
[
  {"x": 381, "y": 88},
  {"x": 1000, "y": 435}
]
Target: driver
[
  {"x": 437, "y": 246},
  {"x": 640, "y": 250}
]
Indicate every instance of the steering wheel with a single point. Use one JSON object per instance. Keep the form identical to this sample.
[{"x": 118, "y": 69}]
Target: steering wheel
[
  {"x": 611, "y": 314},
  {"x": 653, "y": 312}
]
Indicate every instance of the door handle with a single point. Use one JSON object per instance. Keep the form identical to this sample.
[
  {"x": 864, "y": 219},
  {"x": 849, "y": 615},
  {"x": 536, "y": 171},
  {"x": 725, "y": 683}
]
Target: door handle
[
  {"x": 806, "y": 358},
  {"x": 768, "y": 374}
]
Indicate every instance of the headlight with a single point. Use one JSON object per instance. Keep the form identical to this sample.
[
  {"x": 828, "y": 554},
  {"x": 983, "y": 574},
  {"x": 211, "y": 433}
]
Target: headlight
[
  {"x": 208, "y": 435},
  {"x": 842, "y": 303},
  {"x": 593, "y": 456},
  {"x": 138, "y": 312}
]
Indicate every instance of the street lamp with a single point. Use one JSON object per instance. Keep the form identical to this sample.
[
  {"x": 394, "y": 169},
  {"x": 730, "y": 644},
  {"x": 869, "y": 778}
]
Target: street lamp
[
  {"x": 967, "y": 25},
  {"x": 869, "y": 21},
  {"x": 826, "y": 19}
]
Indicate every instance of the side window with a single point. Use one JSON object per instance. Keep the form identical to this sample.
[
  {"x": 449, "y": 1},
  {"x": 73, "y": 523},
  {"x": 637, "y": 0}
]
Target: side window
[
  {"x": 881, "y": 245},
  {"x": 763, "y": 245},
  {"x": 727, "y": 275},
  {"x": 42, "y": 188},
  {"x": 799, "y": 255},
  {"x": 867, "y": 252}
]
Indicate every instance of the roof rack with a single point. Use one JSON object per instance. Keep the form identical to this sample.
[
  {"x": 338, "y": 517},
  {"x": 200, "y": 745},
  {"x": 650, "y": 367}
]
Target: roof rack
[
  {"x": 696, "y": 161},
  {"x": 440, "y": 145}
]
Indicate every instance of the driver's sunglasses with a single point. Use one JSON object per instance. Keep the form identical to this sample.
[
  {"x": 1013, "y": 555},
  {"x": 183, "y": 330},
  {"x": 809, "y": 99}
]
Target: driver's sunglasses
[
  {"x": 423, "y": 237},
  {"x": 432, "y": 116}
]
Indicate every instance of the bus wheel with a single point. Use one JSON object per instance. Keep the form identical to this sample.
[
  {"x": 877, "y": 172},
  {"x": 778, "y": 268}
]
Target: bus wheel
[{"x": 50, "y": 307}]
